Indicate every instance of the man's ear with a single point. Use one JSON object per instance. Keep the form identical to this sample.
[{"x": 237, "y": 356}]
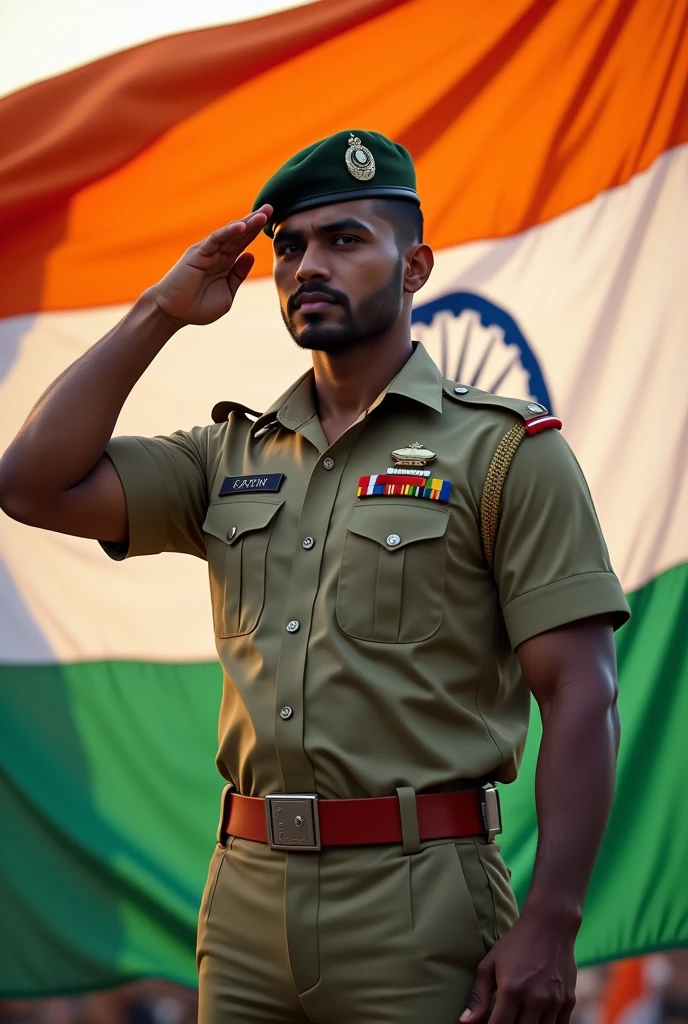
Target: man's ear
[{"x": 419, "y": 260}]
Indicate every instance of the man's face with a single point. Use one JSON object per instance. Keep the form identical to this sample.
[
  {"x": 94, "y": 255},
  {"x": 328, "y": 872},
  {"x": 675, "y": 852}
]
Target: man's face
[{"x": 339, "y": 275}]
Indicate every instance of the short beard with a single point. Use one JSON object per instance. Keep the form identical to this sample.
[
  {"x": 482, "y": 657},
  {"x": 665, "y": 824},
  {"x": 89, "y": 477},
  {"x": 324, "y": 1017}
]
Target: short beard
[{"x": 376, "y": 314}]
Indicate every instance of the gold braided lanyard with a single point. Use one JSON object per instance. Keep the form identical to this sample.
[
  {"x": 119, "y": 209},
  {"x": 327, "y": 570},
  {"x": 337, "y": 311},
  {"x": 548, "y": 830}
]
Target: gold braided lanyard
[{"x": 492, "y": 489}]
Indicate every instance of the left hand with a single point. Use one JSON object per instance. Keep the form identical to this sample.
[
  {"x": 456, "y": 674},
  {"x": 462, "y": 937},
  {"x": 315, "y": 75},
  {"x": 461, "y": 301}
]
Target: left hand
[{"x": 534, "y": 972}]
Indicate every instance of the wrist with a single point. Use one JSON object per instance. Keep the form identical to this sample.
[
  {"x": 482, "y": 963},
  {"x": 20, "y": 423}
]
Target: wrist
[
  {"x": 148, "y": 310},
  {"x": 553, "y": 913}
]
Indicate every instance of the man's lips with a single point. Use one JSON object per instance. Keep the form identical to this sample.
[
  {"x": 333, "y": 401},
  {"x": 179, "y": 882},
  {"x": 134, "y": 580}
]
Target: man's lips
[{"x": 314, "y": 302}]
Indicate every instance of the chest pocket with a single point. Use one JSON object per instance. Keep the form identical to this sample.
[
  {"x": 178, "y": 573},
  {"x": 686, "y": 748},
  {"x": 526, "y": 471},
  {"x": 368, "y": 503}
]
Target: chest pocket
[
  {"x": 391, "y": 582},
  {"x": 238, "y": 537}
]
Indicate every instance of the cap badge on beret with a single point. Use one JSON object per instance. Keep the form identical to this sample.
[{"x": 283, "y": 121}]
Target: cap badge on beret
[{"x": 359, "y": 160}]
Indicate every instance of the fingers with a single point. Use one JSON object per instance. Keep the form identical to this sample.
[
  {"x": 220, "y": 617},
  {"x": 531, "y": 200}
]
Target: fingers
[
  {"x": 240, "y": 271},
  {"x": 217, "y": 253},
  {"x": 530, "y": 1014},
  {"x": 528, "y": 1007},
  {"x": 506, "y": 1009},
  {"x": 239, "y": 233},
  {"x": 258, "y": 218},
  {"x": 479, "y": 999},
  {"x": 564, "y": 1015}
]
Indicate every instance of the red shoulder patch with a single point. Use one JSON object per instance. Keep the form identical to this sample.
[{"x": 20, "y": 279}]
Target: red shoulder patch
[{"x": 537, "y": 423}]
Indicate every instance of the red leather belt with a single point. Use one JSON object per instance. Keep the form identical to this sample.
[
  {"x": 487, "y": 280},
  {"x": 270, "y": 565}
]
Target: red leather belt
[{"x": 304, "y": 822}]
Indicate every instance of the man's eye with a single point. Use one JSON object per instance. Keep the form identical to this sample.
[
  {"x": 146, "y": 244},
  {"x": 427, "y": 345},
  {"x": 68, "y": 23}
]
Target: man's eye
[
  {"x": 345, "y": 239},
  {"x": 289, "y": 249}
]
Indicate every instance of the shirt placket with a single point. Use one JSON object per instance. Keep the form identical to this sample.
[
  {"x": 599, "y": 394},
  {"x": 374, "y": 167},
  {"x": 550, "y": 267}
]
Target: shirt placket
[{"x": 323, "y": 485}]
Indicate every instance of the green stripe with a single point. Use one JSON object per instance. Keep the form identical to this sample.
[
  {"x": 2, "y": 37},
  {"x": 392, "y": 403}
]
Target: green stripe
[
  {"x": 109, "y": 791},
  {"x": 108, "y": 787},
  {"x": 638, "y": 899}
]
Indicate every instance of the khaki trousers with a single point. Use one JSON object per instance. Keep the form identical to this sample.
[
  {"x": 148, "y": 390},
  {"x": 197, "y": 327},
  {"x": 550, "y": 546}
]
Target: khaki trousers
[{"x": 349, "y": 935}]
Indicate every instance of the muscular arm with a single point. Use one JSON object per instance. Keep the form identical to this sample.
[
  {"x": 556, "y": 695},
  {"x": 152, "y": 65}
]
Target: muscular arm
[
  {"x": 55, "y": 474},
  {"x": 572, "y": 674},
  {"x": 571, "y": 671}
]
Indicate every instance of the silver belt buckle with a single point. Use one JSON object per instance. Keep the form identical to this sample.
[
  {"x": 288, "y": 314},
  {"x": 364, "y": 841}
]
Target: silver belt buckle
[
  {"x": 491, "y": 811},
  {"x": 292, "y": 821}
]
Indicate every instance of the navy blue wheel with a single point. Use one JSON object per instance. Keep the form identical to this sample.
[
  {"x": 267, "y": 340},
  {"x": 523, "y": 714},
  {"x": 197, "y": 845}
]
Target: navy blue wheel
[{"x": 475, "y": 342}]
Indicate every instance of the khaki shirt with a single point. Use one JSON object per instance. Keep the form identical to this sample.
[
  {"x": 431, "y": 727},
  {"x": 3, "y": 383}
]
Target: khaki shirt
[{"x": 365, "y": 642}]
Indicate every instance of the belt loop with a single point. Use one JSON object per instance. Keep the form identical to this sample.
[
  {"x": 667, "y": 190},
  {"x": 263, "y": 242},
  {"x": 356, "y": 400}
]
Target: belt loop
[
  {"x": 408, "y": 810},
  {"x": 224, "y": 804}
]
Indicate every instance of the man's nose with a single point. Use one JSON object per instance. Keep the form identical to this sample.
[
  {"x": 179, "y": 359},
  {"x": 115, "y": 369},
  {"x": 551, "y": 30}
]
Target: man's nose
[{"x": 313, "y": 266}]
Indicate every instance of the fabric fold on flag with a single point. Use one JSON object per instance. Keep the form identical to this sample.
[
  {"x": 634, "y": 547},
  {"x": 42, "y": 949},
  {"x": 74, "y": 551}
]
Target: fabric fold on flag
[{"x": 551, "y": 143}]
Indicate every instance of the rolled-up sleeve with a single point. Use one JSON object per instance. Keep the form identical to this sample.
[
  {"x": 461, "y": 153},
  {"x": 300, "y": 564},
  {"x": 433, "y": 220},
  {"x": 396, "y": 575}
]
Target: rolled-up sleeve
[
  {"x": 551, "y": 561},
  {"x": 165, "y": 487}
]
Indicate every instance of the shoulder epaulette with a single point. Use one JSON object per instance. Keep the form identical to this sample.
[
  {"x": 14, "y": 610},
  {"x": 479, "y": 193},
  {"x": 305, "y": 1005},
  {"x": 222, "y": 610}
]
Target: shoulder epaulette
[
  {"x": 222, "y": 410},
  {"x": 535, "y": 417}
]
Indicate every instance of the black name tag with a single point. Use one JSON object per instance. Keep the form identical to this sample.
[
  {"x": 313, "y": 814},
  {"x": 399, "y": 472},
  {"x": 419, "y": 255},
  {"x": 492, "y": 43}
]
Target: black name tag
[{"x": 270, "y": 483}]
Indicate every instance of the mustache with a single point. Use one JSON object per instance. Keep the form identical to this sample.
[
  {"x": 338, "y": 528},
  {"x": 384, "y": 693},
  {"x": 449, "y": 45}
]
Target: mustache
[{"x": 310, "y": 289}]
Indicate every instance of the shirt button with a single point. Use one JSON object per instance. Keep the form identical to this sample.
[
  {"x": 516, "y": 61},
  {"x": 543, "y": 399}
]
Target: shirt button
[
  {"x": 307, "y": 543},
  {"x": 293, "y": 626},
  {"x": 393, "y": 540},
  {"x": 328, "y": 463},
  {"x": 286, "y": 713}
]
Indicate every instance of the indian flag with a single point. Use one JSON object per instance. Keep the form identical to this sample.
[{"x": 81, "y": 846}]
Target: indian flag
[{"x": 551, "y": 144}]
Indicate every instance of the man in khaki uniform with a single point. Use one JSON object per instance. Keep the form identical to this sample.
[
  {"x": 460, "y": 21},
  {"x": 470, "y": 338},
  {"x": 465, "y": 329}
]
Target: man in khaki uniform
[{"x": 396, "y": 561}]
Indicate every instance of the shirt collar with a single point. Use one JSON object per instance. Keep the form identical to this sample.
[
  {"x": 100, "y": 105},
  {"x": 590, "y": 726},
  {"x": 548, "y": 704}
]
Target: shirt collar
[
  {"x": 419, "y": 379},
  {"x": 294, "y": 406}
]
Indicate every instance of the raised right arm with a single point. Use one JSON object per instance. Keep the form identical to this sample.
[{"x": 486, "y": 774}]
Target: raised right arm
[{"x": 55, "y": 474}]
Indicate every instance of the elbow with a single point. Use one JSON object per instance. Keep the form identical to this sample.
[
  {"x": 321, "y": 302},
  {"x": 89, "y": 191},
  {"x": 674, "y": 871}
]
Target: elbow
[
  {"x": 13, "y": 505},
  {"x": 603, "y": 708},
  {"x": 612, "y": 689},
  {"x": 13, "y": 501},
  {"x": 615, "y": 723},
  {"x": 602, "y": 702},
  {"x": 7, "y": 491}
]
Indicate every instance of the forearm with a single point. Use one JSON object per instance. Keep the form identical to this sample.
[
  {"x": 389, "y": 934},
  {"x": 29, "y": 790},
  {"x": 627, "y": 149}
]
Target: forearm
[
  {"x": 571, "y": 671},
  {"x": 68, "y": 429},
  {"x": 574, "y": 789}
]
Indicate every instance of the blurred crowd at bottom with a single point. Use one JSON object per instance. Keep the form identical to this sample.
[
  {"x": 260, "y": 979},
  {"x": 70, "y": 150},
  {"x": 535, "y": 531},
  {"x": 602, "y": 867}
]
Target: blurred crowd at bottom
[{"x": 643, "y": 990}]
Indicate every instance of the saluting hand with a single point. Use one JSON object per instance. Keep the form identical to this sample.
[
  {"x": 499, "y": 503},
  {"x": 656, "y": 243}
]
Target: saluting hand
[{"x": 201, "y": 286}]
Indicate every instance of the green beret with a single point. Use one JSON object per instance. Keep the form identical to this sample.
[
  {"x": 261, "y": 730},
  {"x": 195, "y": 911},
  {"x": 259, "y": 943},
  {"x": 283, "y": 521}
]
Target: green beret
[{"x": 347, "y": 165}]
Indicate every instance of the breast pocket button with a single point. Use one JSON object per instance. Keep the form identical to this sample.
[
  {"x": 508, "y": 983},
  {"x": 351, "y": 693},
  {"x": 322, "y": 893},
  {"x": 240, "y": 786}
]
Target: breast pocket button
[{"x": 393, "y": 540}]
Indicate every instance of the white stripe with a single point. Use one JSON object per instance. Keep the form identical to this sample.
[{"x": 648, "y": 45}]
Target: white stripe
[
  {"x": 148, "y": 608},
  {"x": 40, "y": 40},
  {"x": 600, "y": 293},
  {"x": 601, "y": 297},
  {"x": 537, "y": 420}
]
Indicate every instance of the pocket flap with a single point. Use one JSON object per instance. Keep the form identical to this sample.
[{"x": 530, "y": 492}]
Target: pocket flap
[
  {"x": 230, "y": 520},
  {"x": 394, "y": 524}
]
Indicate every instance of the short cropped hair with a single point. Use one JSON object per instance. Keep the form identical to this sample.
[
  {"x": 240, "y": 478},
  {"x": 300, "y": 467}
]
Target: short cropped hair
[{"x": 405, "y": 217}]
